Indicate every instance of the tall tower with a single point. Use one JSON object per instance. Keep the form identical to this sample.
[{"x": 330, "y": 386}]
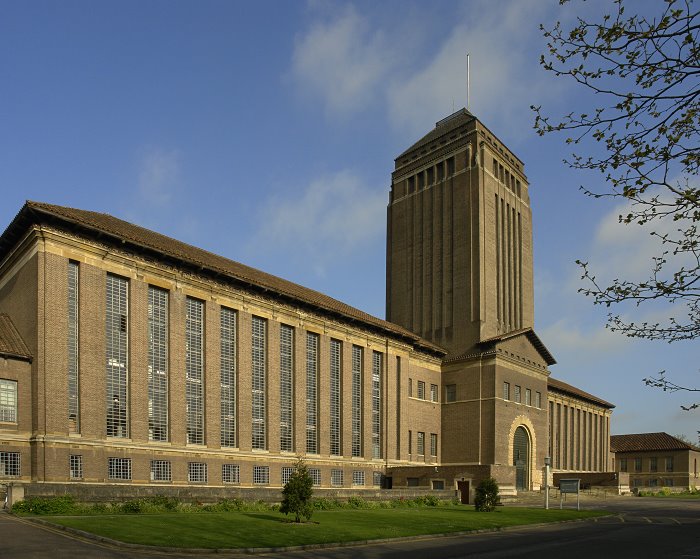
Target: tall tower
[{"x": 459, "y": 237}]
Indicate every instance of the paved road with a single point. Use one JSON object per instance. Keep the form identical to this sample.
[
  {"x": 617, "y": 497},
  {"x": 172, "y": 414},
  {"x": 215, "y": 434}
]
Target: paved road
[{"x": 639, "y": 528}]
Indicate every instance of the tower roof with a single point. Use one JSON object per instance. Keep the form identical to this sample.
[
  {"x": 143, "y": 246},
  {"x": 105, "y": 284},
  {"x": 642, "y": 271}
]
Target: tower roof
[{"x": 442, "y": 127}]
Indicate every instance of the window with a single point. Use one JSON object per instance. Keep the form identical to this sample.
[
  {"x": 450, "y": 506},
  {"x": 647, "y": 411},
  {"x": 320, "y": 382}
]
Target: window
[
  {"x": 538, "y": 400},
  {"x": 412, "y": 481},
  {"x": 358, "y": 478},
  {"x": 438, "y": 485},
  {"x": 506, "y": 391},
  {"x": 420, "y": 443},
  {"x": 230, "y": 473},
  {"x": 516, "y": 393},
  {"x": 653, "y": 482},
  {"x": 116, "y": 326},
  {"x": 227, "y": 351},
  {"x": 433, "y": 444},
  {"x": 450, "y": 166},
  {"x": 421, "y": 181},
  {"x": 669, "y": 463},
  {"x": 433, "y": 393},
  {"x": 161, "y": 470},
  {"x": 119, "y": 468},
  {"x": 421, "y": 390},
  {"x": 653, "y": 464},
  {"x": 76, "y": 466},
  {"x": 315, "y": 474},
  {"x": 311, "y": 392},
  {"x": 411, "y": 184},
  {"x": 9, "y": 464},
  {"x": 668, "y": 482},
  {"x": 197, "y": 472},
  {"x": 157, "y": 364},
  {"x": 377, "y": 479},
  {"x": 356, "y": 401},
  {"x": 431, "y": 175},
  {"x": 259, "y": 382},
  {"x": 335, "y": 407},
  {"x": 287, "y": 472},
  {"x": 336, "y": 478},
  {"x": 73, "y": 351},
  {"x": 261, "y": 475},
  {"x": 8, "y": 401},
  {"x": 528, "y": 397},
  {"x": 410, "y": 442},
  {"x": 410, "y": 387},
  {"x": 623, "y": 464},
  {"x": 451, "y": 393},
  {"x": 637, "y": 464},
  {"x": 194, "y": 370},
  {"x": 440, "y": 171},
  {"x": 286, "y": 388},
  {"x": 376, "y": 404}
]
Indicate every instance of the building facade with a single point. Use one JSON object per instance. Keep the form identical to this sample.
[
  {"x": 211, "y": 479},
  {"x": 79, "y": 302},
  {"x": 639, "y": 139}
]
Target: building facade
[
  {"x": 656, "y": 460},
  {"x": 134, "y": 360}
]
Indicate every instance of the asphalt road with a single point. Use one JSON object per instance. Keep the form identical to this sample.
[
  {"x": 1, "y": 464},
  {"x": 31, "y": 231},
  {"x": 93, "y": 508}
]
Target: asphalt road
[{"x": 638, "y": 528}]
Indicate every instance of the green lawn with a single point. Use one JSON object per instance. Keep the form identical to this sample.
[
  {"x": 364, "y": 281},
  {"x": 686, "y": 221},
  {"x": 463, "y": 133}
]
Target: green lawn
[{"x": 271, "y": 529}]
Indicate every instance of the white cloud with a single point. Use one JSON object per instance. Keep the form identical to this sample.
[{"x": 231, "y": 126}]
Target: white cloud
[
  {"x": 569, "y": 336},
  {"x": 158, "y": 176},
  {"x": 344, "y": 60},
  {"x": 334, "y": 215},
  {"x": 351, "y": 61}
]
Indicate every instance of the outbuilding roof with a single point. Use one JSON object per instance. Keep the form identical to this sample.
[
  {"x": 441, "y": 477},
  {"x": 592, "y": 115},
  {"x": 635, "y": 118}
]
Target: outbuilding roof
[{"x": 648, "y": 441}]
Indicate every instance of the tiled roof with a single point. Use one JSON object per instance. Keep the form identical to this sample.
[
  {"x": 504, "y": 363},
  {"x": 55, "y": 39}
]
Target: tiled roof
[
  {"x": 11, "y": 343},
  {"x": 168, "y": 249},
  {"x": 530, "y": 334},
  {"x": 648, "y": 441},
  {"x": 445, "y": 126},
  {"x": 560, "y": 386}
]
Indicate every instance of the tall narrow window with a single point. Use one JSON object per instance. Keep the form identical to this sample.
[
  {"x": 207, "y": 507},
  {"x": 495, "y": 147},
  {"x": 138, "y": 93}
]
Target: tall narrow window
[
  {"x": 421, "y": 390},
  {"x": 73, "y": 363},
  {"x": 227, "y": 319},
  {"x": 336, "y": 350},
  {"x": 8, "y": 401},
  {"x": 157, "y": 364},
  {"x": 376, "y": 405},
  {"x": 259, "y": 436},
  {"x": 117, "y": 336},
  {"x": 286, "y": 383},
  {"x": 194, "y": 368},
  {"x": 420, "y": 444},
  {"x": 433, "y": 393},
  {"x": 433, "y": 444},
  {"x": 356, "y": 401},
  {"x": 311, "y": 393},
  {"x": 76, "y": 466}
]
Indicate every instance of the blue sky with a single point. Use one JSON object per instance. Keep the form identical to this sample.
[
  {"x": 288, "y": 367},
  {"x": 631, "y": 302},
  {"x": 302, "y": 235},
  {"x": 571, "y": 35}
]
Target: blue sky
[{"x": 266, "y": 132}]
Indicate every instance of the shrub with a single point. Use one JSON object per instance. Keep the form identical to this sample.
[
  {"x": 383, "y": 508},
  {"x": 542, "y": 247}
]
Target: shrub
[
  {"x": 297, "y": 493},
  {"x": 486, "y": 495},
  {"x": 45, "y": 505}
]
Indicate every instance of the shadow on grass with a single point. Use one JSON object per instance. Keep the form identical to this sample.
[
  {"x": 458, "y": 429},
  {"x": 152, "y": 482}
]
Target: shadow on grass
[{"x": 278, "y": 519}]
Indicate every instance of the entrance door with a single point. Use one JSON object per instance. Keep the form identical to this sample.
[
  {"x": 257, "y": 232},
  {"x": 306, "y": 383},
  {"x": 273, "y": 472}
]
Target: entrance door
[
  {"x": 463, "y": 487},
  {"x": 521, "y": 459}
]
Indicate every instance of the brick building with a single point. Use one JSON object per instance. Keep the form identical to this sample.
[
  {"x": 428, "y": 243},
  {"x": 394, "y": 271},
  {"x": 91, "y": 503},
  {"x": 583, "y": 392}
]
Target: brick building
[
  {"x": 656, "y": 460},
  {"x": 130, "y": 359}
]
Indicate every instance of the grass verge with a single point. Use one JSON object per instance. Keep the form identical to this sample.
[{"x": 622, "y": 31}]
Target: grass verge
[{"x": 270, "y": 529}]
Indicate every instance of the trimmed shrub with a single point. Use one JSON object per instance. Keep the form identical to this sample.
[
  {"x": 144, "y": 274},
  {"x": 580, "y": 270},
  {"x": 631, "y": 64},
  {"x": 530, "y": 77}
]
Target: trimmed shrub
[{"x": 486, "y": 495}]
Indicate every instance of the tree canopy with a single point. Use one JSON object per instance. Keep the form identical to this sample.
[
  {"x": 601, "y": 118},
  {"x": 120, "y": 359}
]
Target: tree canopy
[
  {"x": 641, "y": 132},
  {"x": 297, "y": 493}
]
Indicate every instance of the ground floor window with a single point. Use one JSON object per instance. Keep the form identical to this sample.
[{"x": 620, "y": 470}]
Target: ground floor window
[
  {"x": 286, "y": 474},
  {"x": 261, "y": 475},
  {"x": 668, "y": 482},
  {"x": 438, "y": 484},
  {"x": 231, "y": 473},
  {"x": 377, "y": 479},
  {"x": 412, "y": 481},
  {"x": 358, "y": 478},
  {"x": 119, "y": 468},
  {"x": 161, "y": 470},
  {"x": 337, "y": 478},
  {"x": 9, "y": 464},
  {"x": 197, "y": 472},
  {"x": 76, "y": 466},
  {"x": 315, "y": 474}
]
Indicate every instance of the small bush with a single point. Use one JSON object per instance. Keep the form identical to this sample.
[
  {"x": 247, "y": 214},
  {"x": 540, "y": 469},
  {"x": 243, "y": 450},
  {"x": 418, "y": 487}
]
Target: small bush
[
  {"x": 486, "y": 495},
  {"x": 45, "y": 505},
  {"x": 297, "y": 493}
]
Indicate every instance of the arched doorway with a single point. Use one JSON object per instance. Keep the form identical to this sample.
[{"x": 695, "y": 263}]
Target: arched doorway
[{"x": 521, "y": 459}]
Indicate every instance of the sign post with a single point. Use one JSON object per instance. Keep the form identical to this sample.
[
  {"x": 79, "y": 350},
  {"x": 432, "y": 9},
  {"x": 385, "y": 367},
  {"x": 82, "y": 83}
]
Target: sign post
[
  {"x": 547, "y": 464},
  {"x": 569, "y": 486}
]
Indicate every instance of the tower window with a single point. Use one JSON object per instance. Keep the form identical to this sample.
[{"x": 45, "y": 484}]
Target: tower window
[
  {"x": 450, "y": 166},
  {"x": 411, "y": 185},
  {"x": 431, "y": 175}
]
